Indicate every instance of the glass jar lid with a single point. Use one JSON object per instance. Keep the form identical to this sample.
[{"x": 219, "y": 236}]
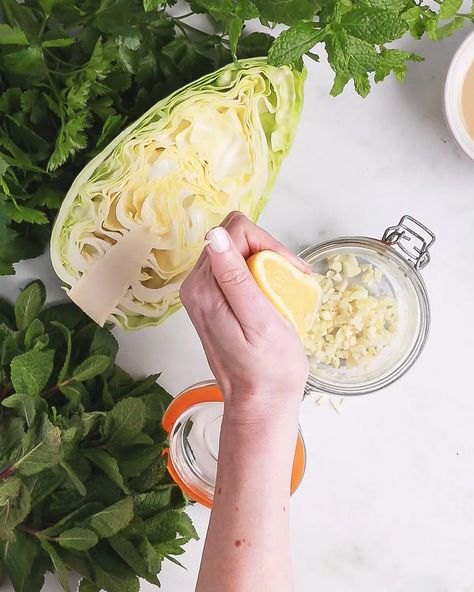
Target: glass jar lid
[
  {"x": 193, "y": 422},
  {"x": 368, "y": 348}
]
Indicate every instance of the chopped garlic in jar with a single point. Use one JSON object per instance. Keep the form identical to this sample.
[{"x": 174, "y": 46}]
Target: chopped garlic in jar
[{"x": 356, "y": 320}]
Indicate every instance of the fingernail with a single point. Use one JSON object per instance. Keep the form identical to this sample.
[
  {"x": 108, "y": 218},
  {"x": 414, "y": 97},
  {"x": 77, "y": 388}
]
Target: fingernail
[{"x": 218, "y": 239}]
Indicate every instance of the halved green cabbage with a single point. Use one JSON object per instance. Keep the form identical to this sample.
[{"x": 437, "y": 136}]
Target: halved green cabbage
[{"x": 214, "y": 146}]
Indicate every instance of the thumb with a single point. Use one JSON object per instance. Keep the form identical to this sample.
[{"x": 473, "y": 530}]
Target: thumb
[{"x": 250, "y": 305}]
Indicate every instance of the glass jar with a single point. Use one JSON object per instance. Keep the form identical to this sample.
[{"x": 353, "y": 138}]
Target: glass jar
[
  {"x": 193, "y": 422},
  {"x": 400, "y": 255}
]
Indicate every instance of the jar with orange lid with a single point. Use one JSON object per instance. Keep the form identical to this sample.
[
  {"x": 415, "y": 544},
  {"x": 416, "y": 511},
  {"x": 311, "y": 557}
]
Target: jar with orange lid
[{"x": 193, "y": 422}]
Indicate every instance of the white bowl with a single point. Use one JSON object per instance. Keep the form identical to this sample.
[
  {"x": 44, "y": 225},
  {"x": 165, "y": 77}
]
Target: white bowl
[{"x": 461, "y": 63}]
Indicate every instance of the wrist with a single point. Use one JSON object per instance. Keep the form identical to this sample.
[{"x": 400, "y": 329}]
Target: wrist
[{"x": 261, "y": 418}]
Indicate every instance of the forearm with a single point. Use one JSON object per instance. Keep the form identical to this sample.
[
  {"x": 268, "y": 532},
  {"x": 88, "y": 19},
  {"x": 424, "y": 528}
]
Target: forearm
[{"x": 247, "y": 545}]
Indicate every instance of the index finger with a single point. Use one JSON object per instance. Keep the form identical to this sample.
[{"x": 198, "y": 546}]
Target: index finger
[
  {"x": 252, "y": 308},
  {"x": 250, "y": 238}
]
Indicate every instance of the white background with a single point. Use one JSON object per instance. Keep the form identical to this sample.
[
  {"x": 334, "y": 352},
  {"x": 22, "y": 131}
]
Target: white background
[{"x": 387, "y": 502}]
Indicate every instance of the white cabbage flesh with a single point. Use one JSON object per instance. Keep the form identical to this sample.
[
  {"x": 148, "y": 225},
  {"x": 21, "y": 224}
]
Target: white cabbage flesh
[{"x": 210, "y": 148}]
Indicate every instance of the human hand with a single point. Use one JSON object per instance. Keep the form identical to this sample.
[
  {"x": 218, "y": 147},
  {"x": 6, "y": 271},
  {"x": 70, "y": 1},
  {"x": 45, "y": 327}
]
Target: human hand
[{"x": 253, "y": 351}]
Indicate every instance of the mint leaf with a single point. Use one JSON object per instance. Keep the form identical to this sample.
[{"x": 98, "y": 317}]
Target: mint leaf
[
  {"x": 90, "y": 421},
  {"x": 394, "y": 60},
  {"x": 152, "y": 476},
  {"x": 8, "y": 350},
  {"x": 19, "y": 557},
  {"x": 67, "y": 357},
  {"x": 254, "y": 45},
  {"x": 449, "y": 8},
  {"x": 25, "y": 406},
  {"x": 374, "y": 25},
  {"x": 350, "y": 57},
  {"x": 362, "y": 85},
  {"x": 91, "y": 367},
  {"x": 78, "y": 538},
  {"x": 6, "y": 310},
  {"x": 126, "y": 419},
  {"x": 42, "y": 486},
  {"x": 34, "y": 331},
  {"x": 448, "y": 29},
  {"x": 11, "y": 436},
  {"x": 14, "y": 506},
  {"x": 65, "y": 313},
  {"x": 76, "y": 393},
  {"x": 108, "y": 464},
  {"x": 162, "y": 527},
  {"x": 104, "y": 343},
  {"x": 293, "y": 43},
  {"x": 288, "y": 12},
  {"x": 12, "y": 35},
  {"x": 221, "y": 10},
  {"x": 29, "y": 304},
  {"x": 234, "y": 29},
  {"x": 144, "y": 386},
  {"x": 30, "y": 371},
  {"x": 115, "y": 580},
  {"x": 173, "y": 547},
  {"x": 74, "y": 479},
  {"x": 186, "y": 528},
  {"x": 85, "y": 511},
  {"x": 156, "y": 403},
  {"x": 41, "y": 448},
  {"x": 113, "y": 519},
  {"x": 86, "y": 586},
  {"x": 59, "y": 566},
  {"x": 153, "y": 4},
  {"x": 152, "y": 557},
  {"x": 147, "y": 504},
  {"x": 128, "y": 552},
  {"x": 246, "y": 10},
  {"x": 135, "y": 460}
]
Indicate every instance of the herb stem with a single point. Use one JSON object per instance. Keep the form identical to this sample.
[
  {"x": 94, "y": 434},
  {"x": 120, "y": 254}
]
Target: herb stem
[
  {"x": 5, "y": 473},
  {"x": 45, "y": 394},
  {"x": 7, "y": 389},
  {"x": 183, "y": 16},
  {"x": 37, "y": 533},
  {"x": 43, "y": 26},
  {"x": 68, "y": 64},
  {"x": 192, "y": 29}
]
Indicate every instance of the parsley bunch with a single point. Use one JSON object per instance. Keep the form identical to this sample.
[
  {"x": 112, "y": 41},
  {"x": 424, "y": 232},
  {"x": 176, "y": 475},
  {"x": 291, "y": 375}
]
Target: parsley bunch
[
  {"x": 73, "y": 73},
  {"x": 83, "y": 480}
]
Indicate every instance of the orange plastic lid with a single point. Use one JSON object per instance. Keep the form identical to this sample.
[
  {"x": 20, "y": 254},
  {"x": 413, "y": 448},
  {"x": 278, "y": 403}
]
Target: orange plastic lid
[{"x": 207, "y": 393}]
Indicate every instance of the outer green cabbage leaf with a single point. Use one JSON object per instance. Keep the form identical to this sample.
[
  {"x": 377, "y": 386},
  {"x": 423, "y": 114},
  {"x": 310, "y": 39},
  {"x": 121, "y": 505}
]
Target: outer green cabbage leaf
[{"x": 214, "y": 146}]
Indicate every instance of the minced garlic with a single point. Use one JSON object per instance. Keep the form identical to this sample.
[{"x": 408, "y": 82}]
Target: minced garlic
[{"x": 356, "y": 320}]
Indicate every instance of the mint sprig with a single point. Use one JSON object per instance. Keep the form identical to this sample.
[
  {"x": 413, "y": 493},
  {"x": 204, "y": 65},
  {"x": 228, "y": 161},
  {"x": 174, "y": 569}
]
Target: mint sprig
[{"x": 83, "y": 480}]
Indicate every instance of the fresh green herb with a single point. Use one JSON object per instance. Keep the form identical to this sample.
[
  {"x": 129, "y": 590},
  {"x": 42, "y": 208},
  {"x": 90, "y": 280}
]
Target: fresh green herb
[
  {"x": 83, "y": 481},
  {"x": 73, "y": 73}
]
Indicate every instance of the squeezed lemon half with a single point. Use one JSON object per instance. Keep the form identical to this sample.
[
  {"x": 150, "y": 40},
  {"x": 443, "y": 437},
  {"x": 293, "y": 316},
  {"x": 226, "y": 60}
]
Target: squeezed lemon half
[{"x": 295, "y": 294}]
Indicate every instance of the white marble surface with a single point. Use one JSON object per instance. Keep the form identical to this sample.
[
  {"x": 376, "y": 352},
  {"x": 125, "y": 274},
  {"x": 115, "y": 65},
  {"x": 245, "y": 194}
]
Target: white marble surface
[{"x": 387, "y": 502}]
